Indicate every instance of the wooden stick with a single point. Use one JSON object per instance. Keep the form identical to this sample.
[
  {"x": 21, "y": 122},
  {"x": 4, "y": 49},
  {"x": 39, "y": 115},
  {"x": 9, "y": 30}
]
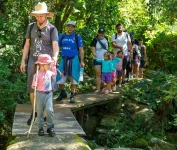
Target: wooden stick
[{"x": 34, "y": 105}]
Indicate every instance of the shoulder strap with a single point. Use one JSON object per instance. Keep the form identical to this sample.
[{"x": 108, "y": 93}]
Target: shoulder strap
[
  {"x": 115, "y": 36},
  {"x": 126, "y": 35},
  {"x": 76, "y": 38},
  {"x": 31, "y": 27},
  {"x": 52, "y": 29},
  {"x": 63, "y": 36},
  {"x": 102, "y": 45}
]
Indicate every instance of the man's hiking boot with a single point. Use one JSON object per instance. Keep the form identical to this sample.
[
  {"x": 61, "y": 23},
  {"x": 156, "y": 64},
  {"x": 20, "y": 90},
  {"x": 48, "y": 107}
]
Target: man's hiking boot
[
  {"x": 61, "y": 96},
  {"x": 41, "y": 132},
  {"x": 51, "y": 132},
  {"x": 31, "y": 117},
  {"x": 72, "y": 99}
]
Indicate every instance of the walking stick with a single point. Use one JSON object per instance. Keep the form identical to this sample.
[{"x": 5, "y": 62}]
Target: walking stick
[{"x": 34, "y": 105}]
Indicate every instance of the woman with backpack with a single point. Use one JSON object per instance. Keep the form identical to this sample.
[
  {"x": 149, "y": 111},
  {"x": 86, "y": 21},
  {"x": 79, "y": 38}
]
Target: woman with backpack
[{"x": 99, "y": 46}]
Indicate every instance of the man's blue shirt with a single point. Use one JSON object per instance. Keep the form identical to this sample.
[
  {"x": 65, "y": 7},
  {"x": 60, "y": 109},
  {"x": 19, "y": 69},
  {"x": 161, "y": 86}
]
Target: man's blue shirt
[{"x": 69, "y": 45}]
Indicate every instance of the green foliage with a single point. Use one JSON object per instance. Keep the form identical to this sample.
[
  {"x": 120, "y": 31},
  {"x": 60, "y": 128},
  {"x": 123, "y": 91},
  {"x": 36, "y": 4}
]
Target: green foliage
[
  {"x": 175, "y": 120},
  {"x": 162, "y": 11},
  {"x": 126, "y": 133},
  {"x": 12, "y": 91},
  {"x": 160, "y": 93},
  {"x": 162, "y": 51}
]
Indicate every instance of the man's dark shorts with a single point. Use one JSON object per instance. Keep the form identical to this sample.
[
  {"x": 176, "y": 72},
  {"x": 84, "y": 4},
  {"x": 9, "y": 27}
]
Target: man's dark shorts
[
  {"x": 142, "y": 63},
  {"x": 125, "y": 61}
]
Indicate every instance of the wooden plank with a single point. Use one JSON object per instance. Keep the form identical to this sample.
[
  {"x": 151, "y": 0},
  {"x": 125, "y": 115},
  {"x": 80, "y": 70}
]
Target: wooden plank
[
  {"x": 64, "y": 121},
  {"x": 87, "y": 100}
]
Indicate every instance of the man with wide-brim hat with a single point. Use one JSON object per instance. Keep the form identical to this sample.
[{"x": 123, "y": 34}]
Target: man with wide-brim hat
[
  {"x": 41, "y": 8},
  {"x": 41, "y": 38}
]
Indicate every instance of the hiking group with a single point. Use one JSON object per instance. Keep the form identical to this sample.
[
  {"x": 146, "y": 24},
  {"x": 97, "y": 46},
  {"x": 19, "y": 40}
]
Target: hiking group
[{"x": 41, "y": 50}]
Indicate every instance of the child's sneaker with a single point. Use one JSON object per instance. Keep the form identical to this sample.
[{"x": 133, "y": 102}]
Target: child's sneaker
[
  {"x": 119, "y": 85},
  {"x": 41, "y": 132},
  {"x": 114, "y": 88},
  {"x": 106, "y": 92},
  {"x": 51, "y": 132}
]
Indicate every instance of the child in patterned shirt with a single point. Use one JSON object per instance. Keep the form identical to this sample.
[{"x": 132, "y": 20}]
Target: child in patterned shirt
[
  {"x": 114, "y": 61},
  {"x": 119, "y": 67},
  {"x": 42, "y": 82}
]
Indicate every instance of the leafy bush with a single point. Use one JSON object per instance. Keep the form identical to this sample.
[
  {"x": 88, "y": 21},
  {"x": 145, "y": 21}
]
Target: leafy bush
[
  {"x": 125, "y": 133},
  {"x": 160, "y": 93},
  {"x": 162, "y": 51},
  {"x": 12, "y": 91}
]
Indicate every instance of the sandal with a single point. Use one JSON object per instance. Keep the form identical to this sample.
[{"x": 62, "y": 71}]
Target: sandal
[
  {"x": 97, "y": 91},
  {"x": 106, "y": 92},
  {"x": 103, "y": 90}
]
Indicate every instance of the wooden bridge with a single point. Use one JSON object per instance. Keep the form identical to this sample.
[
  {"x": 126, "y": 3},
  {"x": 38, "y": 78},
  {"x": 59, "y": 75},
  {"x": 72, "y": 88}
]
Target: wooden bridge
[
  {"x": 67, "y": 127},
  {"x": 64, "y": 120}
]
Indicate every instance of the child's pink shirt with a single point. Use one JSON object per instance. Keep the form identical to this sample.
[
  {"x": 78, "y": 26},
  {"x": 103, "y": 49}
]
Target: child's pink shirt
[{"x": 44, "y": 80}]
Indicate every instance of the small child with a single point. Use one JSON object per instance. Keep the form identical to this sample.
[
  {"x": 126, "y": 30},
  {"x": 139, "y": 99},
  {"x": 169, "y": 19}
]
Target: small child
[
  {"x": 119, "y": 68},
  {"x": 106, "y": 75},
  {"x": 44, "y": 92},
  {"x": 136, "y": 59},
  {"x": 115, "y": 60}
]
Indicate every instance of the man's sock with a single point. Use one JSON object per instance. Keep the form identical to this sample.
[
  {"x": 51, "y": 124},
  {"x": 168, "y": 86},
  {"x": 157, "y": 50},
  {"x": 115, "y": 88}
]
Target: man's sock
[
  {"x": 72, "y": 93},
  {"x": 63, "y": 92}
]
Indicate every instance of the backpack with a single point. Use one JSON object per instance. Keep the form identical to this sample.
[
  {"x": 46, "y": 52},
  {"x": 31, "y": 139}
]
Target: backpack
[{"x": 76, "y": 39}]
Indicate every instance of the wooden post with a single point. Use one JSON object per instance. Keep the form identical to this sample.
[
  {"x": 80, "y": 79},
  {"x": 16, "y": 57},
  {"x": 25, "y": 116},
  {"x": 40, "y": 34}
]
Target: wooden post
[{"x": 80, "y": 116}]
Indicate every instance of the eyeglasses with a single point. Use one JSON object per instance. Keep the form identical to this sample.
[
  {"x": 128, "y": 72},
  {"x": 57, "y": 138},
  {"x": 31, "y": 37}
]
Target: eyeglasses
[{"x": 39, "y": 33}]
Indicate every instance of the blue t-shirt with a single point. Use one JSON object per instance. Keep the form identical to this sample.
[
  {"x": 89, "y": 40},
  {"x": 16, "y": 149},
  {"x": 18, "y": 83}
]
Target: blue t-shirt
[
  {"x": 69, "y": 45},
  {"x": 114, "y": 62},
  {"x": 106, "y": 65}
]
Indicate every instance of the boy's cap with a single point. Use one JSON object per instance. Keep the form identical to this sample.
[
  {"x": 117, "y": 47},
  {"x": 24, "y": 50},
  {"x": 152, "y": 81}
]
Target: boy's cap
[
  {"x": 72, "y": 23},
  {"x": 44, "y": 59},
  {"x": 101, "y": 30}
]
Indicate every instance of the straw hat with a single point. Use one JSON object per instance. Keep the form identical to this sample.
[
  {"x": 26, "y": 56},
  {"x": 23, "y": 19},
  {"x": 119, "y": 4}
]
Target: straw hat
[
  {"x": 41, "y": 8},
  {"x": 44, "y": 59}
]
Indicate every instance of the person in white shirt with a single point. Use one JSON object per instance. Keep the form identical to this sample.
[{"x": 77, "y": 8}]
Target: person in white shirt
[
  {"x": 99, "y": 46},
  {"x": 121, "y": 41}
]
